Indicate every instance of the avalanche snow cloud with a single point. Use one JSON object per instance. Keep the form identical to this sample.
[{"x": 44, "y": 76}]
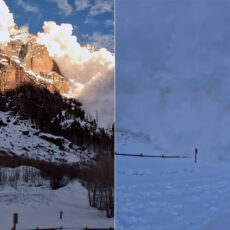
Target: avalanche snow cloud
[
  {"x": 173, "y": 74},
  {"x": 90, "y": 71},
  {"x": 6, "y": 23}
]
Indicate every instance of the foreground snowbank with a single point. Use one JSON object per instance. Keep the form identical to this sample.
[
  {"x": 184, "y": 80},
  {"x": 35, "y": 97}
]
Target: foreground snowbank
[{"x": 40, "y": 207}]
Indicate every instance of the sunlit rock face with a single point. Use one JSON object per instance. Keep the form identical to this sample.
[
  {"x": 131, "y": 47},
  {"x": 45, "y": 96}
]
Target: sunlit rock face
[
  {"x": 36, "y": 58},
  {"x": 24, "y": 61}
]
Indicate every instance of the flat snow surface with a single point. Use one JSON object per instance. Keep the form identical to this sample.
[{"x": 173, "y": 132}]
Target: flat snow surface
[
  {"x": 40, "y": 207},
  {"x": 169, "y": 194}
]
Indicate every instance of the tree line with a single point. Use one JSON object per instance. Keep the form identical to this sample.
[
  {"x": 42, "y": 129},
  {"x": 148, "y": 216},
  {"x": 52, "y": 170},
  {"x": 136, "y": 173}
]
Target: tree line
[{"x": 48, "y": 111}]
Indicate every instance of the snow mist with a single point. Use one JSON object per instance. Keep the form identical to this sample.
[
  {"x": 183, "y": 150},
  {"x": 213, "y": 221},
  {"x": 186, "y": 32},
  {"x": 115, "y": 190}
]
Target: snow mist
[
  {"x": 173, "y": 83},
  {"x": 90, "y": 71},
  {"x": 6, "y": 23}
]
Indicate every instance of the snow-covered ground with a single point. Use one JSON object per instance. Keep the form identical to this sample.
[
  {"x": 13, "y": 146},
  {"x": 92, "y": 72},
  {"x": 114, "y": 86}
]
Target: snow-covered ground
[
  {"x": 169, "y": 194},
  {"x": 40, "y": 207}
]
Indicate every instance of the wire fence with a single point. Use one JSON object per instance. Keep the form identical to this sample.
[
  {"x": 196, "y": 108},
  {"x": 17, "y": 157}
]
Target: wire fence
[
  {"x": 69, "y": 228},
  {"x": 151, "y": 156},
  {"x": 15, "y": 222}
]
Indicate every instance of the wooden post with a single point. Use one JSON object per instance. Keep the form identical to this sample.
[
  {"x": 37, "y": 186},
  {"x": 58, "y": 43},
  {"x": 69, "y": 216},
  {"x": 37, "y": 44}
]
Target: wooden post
[
  {"x": 61, "y": 215},
  {"x": 15, "y": 221},
  {"x": 196, "y": 151}
]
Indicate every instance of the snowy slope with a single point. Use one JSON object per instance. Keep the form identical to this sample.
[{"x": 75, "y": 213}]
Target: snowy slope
[
  {"x": 21, "y": 138},
  {"x": 40, "y": 207},
  {"x": 175, "y": 194}
]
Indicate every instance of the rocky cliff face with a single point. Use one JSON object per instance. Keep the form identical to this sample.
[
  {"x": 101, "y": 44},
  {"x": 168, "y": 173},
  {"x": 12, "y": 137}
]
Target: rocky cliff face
[{"x": 24, "y": 61}]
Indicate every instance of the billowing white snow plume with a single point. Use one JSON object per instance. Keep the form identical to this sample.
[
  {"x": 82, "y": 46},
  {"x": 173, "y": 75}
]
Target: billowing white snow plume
[
  {"x": 173, "y": 80},
  {"x": 6, "y": 23},
  {"x": 90, "y": 71}
]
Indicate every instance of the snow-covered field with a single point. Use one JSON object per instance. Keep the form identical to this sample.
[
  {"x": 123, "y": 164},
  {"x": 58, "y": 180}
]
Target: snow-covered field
[
  {"x": 169, "y": 194},
  {"x": 40, "y": 207}
]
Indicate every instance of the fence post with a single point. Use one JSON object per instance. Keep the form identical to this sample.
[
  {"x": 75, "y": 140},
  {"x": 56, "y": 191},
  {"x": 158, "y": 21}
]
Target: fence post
[
  {"x": 196, "y": 150},
  {"x": 61, "y": 215},
  {"x": 15, "y": 221}
]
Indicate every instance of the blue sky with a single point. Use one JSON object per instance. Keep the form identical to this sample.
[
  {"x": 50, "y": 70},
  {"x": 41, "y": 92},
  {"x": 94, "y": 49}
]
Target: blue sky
[{"x": 92, "y": 19}]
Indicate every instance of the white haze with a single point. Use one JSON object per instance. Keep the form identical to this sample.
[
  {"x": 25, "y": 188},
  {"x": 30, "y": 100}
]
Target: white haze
[
  {"x": 90, "y": 71},
  {"x": 6, "y": 23},
  {"x": 173, "y": 74}
]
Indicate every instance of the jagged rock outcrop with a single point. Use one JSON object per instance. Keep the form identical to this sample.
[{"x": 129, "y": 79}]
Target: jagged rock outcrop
[
  {"x": 11, "y": 74},
  {"x": 36, "y": 58},
  {"x": 24, "y": 61},
  {"x": 14, "y": 75}
]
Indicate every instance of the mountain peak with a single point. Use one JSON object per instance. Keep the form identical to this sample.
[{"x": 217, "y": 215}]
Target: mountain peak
[{"x": 23, "y": 60}]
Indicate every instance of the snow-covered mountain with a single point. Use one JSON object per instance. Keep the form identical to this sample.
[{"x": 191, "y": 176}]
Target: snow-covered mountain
[
  {"x": 38, "y": 119},
  {"x": 50, "y": 144},
  {"x": 45, "y": 134}
]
